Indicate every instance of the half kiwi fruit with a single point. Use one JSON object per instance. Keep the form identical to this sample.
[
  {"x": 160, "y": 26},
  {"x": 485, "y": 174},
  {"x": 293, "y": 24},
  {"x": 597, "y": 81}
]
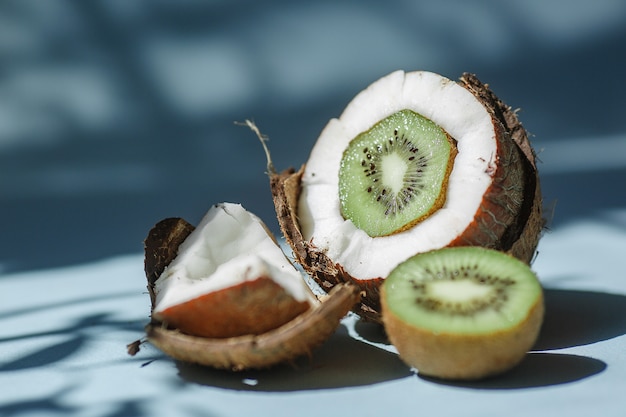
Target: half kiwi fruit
[{"x": 462, "y": 313}]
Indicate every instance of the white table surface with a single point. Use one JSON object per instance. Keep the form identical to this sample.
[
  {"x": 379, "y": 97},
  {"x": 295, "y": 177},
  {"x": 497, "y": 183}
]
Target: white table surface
[{"x": 64, "y": 334}]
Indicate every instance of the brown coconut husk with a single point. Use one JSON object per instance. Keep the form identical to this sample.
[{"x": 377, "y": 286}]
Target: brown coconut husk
[
  {"x": 161, "y": 247},
  {"x": 517, "y": 233},
  {"x": 523, "y": 236},
  {"x": 295, "y": 338},
  {"x": 298, "y": 337}
]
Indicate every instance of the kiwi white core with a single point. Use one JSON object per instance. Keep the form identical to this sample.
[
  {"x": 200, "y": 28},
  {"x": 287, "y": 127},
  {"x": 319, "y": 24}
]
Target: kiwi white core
[
  {"x": 394, "y": 170},
  {"x": 437, "y": 98},
  {"x": 458, "y": 291},
  {"x": 228, "y": 247}
]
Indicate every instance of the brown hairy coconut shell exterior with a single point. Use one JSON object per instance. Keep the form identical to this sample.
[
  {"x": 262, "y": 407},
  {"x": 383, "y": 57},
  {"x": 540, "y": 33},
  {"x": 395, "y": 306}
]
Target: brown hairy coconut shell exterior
[
  {"x": 522, "y": 237},
  {"x": 298, "y": 337},
  {"x": 495, "y": 225},
  {"x": 161, "y": 246}
]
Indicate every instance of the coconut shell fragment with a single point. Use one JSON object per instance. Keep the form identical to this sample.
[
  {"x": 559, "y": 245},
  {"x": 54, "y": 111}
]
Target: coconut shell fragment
[
  {"x": 495, "y": 225},
  {"x": 161, "y": 246},
  {"x": 522, "y": 238},
  {"x": 285, "y": 188},
  {"x": 298, "y": 336}
]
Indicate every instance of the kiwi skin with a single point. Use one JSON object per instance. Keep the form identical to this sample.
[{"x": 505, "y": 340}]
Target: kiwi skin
[{"x": 462, "y": 356}]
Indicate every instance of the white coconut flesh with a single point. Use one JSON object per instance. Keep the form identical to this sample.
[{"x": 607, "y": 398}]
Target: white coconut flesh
[
  {"x": 229, "y": 246},
  {"x": 444, "y": 102}
]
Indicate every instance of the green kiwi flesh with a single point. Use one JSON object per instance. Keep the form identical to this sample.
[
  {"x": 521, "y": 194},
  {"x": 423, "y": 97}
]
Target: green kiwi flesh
[
  {"x": 395, "y": 174},
  {"x": 462, "y": 290}
]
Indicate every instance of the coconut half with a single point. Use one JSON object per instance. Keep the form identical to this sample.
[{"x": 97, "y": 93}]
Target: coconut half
[
  {"x": 224, "y": 273},
  {"x": 225, "y": 295},
  {"x": 492, "y": 199}
]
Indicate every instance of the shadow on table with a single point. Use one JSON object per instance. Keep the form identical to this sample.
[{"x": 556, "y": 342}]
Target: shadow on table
[
  {"x": 536, "y": 370},
  {"x": 573, "y": 318},
  {"x": 576, "y": 318},
  {"x": 75, "y": 336},
  {"x": 341, "y": 362}
]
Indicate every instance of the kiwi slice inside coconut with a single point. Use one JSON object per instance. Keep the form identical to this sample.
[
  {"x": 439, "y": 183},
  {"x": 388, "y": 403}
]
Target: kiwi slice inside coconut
[
  {"x": 394, "y": 174},
  {"x": 462, "y": 313}
]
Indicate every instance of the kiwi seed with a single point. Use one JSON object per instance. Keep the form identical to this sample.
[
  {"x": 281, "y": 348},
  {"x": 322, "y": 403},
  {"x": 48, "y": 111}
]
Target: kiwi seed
[{"x": 395, "y": 174}]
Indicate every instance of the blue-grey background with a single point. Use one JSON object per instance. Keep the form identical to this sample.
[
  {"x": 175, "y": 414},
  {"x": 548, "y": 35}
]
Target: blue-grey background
[{"x": 115, "y": 114}]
